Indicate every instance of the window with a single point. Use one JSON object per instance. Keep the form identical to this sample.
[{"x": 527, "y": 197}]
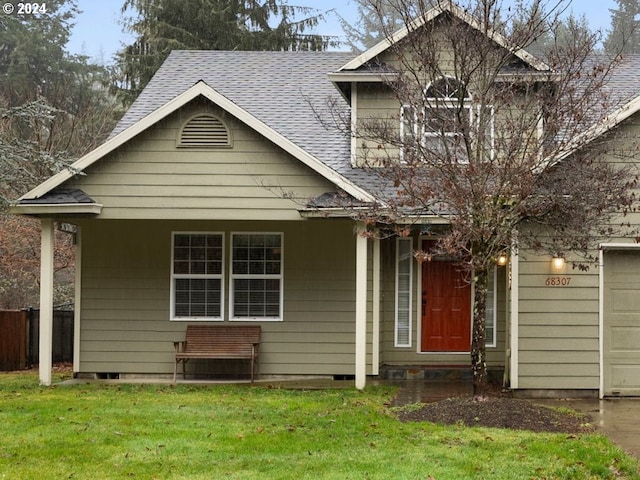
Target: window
[
  {"x": 440, "y": 123},
  {"x": 491, "y": 313},
  {"x": 197, "y": 276},
  {"x": 404, "y": 280},
  {"x": 256, "y": 276}
]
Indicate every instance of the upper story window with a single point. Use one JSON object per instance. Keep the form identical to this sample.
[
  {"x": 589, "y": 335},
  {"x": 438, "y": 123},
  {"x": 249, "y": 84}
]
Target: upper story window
[
  {"x": 438, "y": 126},
  {"x": 204, "y": 131}
]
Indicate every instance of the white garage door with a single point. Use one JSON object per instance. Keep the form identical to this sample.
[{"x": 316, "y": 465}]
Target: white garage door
[{"x": 622, "y": 323}]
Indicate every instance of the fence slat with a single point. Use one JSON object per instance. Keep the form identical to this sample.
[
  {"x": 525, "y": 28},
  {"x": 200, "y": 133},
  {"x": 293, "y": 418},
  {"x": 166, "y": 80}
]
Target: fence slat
[
  {"x": 20, "y": 334},
  {"x": 13, "y": 340},
  {"x": 62, "y": 336}
]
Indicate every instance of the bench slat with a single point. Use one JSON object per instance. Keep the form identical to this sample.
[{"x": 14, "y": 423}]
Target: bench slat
[{"x": 218, "y": 342}]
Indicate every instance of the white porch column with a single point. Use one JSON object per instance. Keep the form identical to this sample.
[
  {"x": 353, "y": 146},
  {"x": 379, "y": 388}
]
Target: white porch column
[
  {"x": 46, "y": 300},
  {"x": 77, "y": 308},
  {"x": 375, "y": 297},
  {"x": 361, "y": 308}
]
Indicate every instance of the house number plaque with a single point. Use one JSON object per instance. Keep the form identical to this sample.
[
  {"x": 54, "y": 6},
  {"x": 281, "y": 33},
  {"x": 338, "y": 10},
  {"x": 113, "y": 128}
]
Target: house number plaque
[{"x": 557, "y": 281}]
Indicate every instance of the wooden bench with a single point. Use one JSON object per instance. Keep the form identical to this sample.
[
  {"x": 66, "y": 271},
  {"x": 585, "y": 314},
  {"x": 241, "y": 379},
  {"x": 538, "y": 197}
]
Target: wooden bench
[{"x": 218, "y": 342}]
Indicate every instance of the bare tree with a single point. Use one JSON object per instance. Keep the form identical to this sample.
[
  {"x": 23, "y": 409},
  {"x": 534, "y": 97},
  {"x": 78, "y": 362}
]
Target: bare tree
[{"x": 493, "y": 141}]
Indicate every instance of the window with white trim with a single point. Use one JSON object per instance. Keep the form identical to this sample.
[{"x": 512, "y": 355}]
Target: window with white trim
[
  {"x": 197, "y": 269},
  {"x": 404, "y": 286},
  {"x": 256, "y": 276},
  {"x": 491, "y": 313}
]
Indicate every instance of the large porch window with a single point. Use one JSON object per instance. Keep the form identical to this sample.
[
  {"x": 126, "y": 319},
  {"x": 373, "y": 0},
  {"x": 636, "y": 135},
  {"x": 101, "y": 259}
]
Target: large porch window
[
  {"x": 197, "y": 276},
  {"x": 256, "y": 276}
]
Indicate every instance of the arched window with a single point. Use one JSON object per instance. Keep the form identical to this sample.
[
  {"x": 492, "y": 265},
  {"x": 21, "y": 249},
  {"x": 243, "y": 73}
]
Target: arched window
[
  {"x": 204, "y": 131},
  {"x": 438, "y": 125},
  {"x": 447, "y": 88},
  {"x": 447, "y": 116}
]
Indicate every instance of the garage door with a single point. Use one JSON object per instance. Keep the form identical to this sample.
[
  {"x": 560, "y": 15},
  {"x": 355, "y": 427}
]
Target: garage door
[{"x": 621, "y": 323}]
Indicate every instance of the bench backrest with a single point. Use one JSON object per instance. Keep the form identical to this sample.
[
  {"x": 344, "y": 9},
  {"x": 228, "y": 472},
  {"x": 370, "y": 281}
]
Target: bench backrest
[{"x": 221, "y": 339}]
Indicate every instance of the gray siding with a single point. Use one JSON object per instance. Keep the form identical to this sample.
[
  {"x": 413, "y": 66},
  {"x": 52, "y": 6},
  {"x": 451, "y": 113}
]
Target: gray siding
[
  {"x": 150, "y": 178},
  {"x": 125, "y": 324},
  {"x": 558, "y": 327}
]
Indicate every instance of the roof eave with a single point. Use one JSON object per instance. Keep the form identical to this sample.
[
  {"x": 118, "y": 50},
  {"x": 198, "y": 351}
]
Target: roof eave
[
  {"x": 50, "y": 209},
  {"x": 368, "y": 77}
]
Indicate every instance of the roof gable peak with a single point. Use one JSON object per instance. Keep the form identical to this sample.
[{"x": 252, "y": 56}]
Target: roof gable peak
[{"x": 443, "y": 7}]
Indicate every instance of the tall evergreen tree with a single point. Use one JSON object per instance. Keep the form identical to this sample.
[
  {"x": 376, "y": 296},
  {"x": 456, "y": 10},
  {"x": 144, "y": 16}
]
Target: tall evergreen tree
[
  {"x": 624, "y": 36},
  {"x": 368, "y": 29},
  {"x": 54, "y": 107},
  {"x": 160, "y": 26}
]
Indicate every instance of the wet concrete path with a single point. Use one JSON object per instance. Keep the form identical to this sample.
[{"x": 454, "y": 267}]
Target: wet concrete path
[{"x": 618, "y": 418}]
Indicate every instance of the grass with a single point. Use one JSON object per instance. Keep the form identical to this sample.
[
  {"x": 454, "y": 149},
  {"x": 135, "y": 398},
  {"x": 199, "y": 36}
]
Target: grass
[{"x": 238, "y": 432}]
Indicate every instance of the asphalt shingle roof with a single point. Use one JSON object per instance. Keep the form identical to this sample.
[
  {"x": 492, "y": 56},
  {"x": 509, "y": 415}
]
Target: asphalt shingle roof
[{"x": 288, "y": 91}]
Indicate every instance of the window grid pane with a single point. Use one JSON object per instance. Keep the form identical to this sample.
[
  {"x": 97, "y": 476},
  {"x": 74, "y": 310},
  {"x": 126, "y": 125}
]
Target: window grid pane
[
  {"x": 256, "y": 275},
  {"x": 197, "y": 270}
]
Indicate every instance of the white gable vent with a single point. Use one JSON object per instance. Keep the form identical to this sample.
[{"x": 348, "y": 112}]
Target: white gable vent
[{"x": 204, "y": 131}]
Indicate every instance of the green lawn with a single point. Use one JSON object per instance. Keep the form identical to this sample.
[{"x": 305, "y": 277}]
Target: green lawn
[{"x": 240, "y": 432}]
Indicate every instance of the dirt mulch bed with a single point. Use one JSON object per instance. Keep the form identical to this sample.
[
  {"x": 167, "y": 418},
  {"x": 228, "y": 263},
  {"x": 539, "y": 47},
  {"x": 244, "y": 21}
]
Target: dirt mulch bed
[{"x": 498, "y": 412}]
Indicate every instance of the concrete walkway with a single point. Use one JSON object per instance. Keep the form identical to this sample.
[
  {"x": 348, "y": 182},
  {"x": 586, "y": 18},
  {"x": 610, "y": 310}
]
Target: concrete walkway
[{"x": 618, "y": 419}]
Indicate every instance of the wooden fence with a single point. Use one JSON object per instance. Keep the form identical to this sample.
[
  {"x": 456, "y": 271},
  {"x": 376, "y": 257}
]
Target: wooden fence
[
  {"x": 20, "y": 334},
  {"x": 14, "y": 328}
]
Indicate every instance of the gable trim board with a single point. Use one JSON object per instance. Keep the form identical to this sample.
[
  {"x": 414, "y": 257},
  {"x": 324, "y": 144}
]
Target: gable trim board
[
  {"x": 199, "y": 89},
  {"x": 445, "y": 6},
  {"x": 607, "y": 124}
]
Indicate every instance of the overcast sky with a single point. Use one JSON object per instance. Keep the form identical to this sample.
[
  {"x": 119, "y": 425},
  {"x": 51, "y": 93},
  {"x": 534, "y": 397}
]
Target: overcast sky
[{"x": 98, "y": 31}]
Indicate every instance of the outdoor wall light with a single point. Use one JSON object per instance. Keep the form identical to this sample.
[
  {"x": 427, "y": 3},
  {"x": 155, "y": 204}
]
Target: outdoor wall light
[
  {"x": 502, "y": 259},
  {"x": 557, "y": 262}
]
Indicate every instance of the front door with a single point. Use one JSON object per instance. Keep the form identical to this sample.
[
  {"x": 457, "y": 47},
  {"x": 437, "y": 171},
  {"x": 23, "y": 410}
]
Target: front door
[{"x": 446, "y": 308}]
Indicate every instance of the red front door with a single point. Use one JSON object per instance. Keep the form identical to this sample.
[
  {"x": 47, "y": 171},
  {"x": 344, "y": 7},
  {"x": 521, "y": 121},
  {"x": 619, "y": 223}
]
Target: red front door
[{"x": 446, "y": 308}]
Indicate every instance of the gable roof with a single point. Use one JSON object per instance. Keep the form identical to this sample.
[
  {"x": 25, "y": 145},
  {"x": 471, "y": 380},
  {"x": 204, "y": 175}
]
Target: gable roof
[
  {"x": 278, "y": 94},
  {"x": 443, "y": 7},
  {"x": 623, "y": 90}
]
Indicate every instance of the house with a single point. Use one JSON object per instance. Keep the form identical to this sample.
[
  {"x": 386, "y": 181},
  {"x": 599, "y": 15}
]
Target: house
[{"x": 216, "y": 200}]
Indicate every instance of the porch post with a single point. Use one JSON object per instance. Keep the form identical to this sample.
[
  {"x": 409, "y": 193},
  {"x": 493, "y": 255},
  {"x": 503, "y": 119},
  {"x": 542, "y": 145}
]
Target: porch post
[
  {"x": 46, "y": 300},
  {"x": 361, "y": 308},
  {"x": 77, "y": 308},
  {"x": 375, "y": 297}
]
